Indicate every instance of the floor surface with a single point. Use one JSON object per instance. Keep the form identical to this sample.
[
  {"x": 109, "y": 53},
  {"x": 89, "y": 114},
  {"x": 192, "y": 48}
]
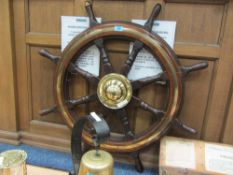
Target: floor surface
[{"x": 62, "y": 161}]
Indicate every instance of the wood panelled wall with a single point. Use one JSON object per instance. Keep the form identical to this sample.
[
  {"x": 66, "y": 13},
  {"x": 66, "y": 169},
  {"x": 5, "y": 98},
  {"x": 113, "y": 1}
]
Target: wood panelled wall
[
  {"x": 8, "y": 100},
  {"x": 204, "y": 32}
]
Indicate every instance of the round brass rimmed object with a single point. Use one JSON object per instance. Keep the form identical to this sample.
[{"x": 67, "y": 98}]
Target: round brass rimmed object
[
  {"x": 153, "y": 43},
  {"x": 12, "y": 158},
  {"x": 13, "y": 162},
  {"x": 114, "y": 91}
]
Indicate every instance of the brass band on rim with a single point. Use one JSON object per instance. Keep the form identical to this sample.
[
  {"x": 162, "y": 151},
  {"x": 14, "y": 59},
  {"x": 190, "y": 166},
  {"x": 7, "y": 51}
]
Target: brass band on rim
[{"x": 114, "y": 91}]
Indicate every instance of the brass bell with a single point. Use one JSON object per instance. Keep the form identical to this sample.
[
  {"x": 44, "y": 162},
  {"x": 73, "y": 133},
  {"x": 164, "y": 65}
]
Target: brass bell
[{"x": 93, "y": 162}]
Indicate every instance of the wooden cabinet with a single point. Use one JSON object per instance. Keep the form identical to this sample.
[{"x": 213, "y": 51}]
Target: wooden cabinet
[{"x": 204, "y": 32}]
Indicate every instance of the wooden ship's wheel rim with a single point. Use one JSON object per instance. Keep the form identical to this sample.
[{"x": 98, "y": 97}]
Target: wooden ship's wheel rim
[
  {"x": 172, "y": 76},
  {"x": 157, "y": 47}
]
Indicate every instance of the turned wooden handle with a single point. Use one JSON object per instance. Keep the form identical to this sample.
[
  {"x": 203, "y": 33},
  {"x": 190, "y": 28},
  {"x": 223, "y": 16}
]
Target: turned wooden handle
[
  {"x": 158, "y": 113},
  {"x": 187, "y": 69},
  {"x": 138, "y": 163},
  {"x": 185, "y": 127},
  {"x": 48, "y": 55},
  {"x": 48, "y": 110},
  {"x": 89, "y": 9},
  {"x": 155, "y": 12}
]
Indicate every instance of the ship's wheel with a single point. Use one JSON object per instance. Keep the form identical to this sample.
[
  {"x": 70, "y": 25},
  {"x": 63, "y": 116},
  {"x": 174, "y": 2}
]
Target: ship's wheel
[{"x": 113, "y": 90}]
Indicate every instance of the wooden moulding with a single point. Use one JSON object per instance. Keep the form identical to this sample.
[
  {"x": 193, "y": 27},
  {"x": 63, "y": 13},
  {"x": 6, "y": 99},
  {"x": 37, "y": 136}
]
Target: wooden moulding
[
  {"x": 43, "y": 39},
  {"x": 199, "y": 1},
  {"x": 10, "y": 137},
  {"x": 185, "y": 1},
  {"x": 121, "y": 0},
  {"x": 181, "y": 48}
]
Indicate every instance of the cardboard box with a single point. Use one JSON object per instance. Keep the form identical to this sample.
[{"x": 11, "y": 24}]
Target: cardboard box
[
  {"x": 35, "y": 170},
  {"x": 193, "y": 157}
]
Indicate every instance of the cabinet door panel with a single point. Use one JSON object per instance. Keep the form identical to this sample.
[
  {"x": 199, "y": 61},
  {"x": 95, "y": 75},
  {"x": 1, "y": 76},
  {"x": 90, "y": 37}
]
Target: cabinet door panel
[
  {"x": 45, "y": 16},
  {"x": 204, "y": 33},
  {"x": 196, "y": 23}
]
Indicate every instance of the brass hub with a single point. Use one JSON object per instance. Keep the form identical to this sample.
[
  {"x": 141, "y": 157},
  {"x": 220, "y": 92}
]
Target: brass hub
[{"x": 114, "y": 91}]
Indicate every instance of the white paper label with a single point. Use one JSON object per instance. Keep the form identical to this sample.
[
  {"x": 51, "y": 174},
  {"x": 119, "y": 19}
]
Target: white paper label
[
  {"x": 1, "y": 161},
  {"x": 95, "y": 116},
  {"x": 72, "y": 26},
  {"x": 180, "y": 154},
  {"x": 145, "y": 65},
  {"x": 219, "y": 159},
  {"x": 165, "y": 29}
]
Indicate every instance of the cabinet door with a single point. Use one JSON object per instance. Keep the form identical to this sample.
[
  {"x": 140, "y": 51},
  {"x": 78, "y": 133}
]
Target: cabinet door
[{"x": 204, "y": 33}]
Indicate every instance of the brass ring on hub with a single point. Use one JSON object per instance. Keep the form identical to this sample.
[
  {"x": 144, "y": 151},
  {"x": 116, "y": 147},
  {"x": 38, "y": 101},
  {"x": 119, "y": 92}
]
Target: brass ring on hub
[
  {"x": 157, "y": 47},
  {"x": 114, "y": 91}
]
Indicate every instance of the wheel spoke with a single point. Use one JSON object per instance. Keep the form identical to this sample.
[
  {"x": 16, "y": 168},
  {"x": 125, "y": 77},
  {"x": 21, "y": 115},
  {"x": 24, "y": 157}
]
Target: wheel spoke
[
  {"x": 185, "y": 127},
  {"x": 121, "y": 113},
  {"x": 187, "y": 69},
  {"x": 138, "y": 162},
  {"x": 48, "y": 110},
  {"x": 137, "y": 84},
  {"x": 99, "y": 43},
  {"x": 71, "y": 104},
  {"x": 103, "y": 54},
  {"x": 49, "y": 55},
  {"x": 82, "y": 100},
  {"x": 150, "y": 21},
  {"x": 137, "y": 46},
  {"x": 90, "y": 77},
  {"x": 140, "y": 103},
  {"x": 91, "y": 14}
]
